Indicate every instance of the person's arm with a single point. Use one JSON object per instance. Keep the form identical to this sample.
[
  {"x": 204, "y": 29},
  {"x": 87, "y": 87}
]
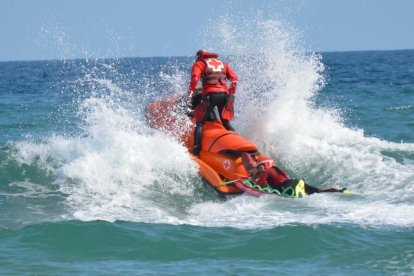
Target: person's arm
[
  {"x": 196, "y": 71},
  {"x": 232, "y": 77}
]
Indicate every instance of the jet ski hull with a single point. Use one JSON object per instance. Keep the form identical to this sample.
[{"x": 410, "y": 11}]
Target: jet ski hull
[{"x": 219, "y": 161}]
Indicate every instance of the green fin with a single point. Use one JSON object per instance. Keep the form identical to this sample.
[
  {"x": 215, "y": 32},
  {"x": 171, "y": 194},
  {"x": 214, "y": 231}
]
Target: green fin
[
  {"x": 300, "y": 189},
  {"x": 345, "y": 191}
]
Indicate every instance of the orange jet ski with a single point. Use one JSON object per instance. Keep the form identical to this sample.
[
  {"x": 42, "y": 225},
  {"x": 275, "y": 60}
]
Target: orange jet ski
[{"x": 220, "y": 160}]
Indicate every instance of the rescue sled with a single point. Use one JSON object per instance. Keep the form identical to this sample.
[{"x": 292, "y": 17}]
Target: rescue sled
[{"x": 220, "y": 162}]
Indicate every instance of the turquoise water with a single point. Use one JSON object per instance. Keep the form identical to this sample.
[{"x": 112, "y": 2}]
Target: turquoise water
[
  {"x": 86, "y": 186},
  {"x": 139, "y": 248}
]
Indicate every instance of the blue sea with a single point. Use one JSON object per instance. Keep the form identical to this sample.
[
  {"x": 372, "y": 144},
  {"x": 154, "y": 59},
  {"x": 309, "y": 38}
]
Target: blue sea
[{"x": 87, "y": 187}]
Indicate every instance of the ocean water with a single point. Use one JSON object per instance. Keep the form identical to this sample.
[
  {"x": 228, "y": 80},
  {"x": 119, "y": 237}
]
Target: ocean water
[{"x": 87, "y": 187}]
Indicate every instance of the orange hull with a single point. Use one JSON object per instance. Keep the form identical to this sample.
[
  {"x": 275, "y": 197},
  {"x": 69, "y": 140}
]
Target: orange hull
[{"x": 220, "y": 161}]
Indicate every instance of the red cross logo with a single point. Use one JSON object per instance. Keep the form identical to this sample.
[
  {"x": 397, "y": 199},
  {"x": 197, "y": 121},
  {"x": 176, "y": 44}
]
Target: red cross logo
[
  {"x": 215, "y": 64},
  {"x": 226, "y": 164}
]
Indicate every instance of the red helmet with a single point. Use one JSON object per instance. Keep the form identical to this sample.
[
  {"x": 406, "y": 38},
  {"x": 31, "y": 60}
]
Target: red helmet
[
  {"x": 201, "y": 53},
  {"x": 205, "y": 54}
]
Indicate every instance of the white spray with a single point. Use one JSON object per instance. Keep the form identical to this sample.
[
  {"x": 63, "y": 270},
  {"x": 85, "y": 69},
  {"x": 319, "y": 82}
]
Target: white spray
[{"x": 121, "y": 169}]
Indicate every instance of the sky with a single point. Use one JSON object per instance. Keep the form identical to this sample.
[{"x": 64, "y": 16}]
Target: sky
[{"x": 62, "y": 29}]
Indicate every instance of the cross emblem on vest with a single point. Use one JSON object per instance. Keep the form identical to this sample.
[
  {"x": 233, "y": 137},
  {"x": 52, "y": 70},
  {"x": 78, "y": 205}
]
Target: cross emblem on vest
[{"x": 215, "y": 65}]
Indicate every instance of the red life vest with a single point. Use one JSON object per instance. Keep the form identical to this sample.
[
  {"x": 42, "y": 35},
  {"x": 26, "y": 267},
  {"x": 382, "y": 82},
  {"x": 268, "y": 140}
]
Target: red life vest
[
  {"x": 271, "y": 174},
  {"x": 214, "y": 72},
  {"x": 251, "y": 166}
]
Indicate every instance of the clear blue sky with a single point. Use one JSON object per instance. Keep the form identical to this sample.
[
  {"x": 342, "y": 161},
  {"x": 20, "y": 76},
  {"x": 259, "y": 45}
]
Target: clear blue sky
[{"x": 48, "y": 29}]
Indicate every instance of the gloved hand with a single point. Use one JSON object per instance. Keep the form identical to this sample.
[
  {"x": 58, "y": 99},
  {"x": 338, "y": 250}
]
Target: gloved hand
[
  {"x": 198, "y": 90},
  {"x": 189, "y": 99}
]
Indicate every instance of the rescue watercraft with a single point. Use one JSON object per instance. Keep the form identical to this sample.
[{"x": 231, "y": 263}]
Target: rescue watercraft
[{"x": 220, "y": 159}]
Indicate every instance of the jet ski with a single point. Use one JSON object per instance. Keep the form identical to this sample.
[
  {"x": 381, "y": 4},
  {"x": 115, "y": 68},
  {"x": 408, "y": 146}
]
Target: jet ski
[{"x": 220, "y": 159}]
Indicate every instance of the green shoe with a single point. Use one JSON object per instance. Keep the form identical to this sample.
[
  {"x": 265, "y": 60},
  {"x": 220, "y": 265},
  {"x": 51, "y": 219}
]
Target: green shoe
[{"x": 300, "y": 189}]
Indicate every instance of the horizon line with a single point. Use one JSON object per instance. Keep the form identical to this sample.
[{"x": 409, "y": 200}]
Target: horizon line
[{"x": 182, "y": 56}]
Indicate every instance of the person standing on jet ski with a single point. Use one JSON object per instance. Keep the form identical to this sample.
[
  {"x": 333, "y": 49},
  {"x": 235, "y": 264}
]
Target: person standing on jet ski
[
  {"x": 263, "y": 171},
  {"x": 214, "y": 74}
]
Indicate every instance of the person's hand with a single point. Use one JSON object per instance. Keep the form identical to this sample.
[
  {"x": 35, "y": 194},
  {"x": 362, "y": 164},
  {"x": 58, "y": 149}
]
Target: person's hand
[
  {"x": 189, "y": 98},
  {"x": 198, "y": 90},
  {"x": 260, "y": 168}
]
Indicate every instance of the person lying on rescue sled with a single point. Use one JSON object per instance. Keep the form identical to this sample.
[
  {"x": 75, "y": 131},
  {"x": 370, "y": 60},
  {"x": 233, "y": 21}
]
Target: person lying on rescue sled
[
  {"x": 264, "y": 171},
  {"x": 214, "y": 74}
]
